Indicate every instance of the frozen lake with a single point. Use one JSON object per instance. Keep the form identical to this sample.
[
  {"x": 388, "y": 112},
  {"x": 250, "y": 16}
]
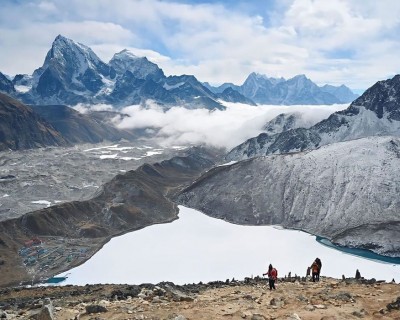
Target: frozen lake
[{"x": 199, "y": 248}]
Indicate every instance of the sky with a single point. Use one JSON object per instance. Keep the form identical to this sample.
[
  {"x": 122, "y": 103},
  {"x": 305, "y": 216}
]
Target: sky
[{"x": 337, "y": 42}]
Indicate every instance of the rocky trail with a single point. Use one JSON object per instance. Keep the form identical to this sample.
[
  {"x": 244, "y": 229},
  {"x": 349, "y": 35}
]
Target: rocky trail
[{"x": 249, "y": 299}]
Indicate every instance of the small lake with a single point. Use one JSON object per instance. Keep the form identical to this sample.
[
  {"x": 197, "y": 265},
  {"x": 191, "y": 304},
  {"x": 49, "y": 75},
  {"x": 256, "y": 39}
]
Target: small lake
[{"x": 198, "y": 248}]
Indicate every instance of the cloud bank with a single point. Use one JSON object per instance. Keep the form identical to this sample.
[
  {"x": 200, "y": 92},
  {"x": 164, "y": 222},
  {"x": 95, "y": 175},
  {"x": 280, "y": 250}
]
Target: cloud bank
[{"x": 226, "y": 129}]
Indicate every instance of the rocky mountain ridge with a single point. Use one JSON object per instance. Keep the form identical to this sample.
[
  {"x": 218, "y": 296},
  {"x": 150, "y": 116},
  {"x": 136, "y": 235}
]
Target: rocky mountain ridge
[
  {"x": 26, "y": 127},
  {"x": 341, "y": 191},
  {"x": 76, "y": 127}
]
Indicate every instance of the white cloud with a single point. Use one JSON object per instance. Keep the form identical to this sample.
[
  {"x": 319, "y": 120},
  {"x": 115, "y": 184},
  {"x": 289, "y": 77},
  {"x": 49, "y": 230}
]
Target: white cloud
[
  {"x": 24, "y": 49},
  {"x": 83, "y": 108},
  {"x": 217, "y": 128}
]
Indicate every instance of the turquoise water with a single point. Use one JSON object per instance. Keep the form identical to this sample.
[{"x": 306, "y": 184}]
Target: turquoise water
[{"x": 367, "y": 254}]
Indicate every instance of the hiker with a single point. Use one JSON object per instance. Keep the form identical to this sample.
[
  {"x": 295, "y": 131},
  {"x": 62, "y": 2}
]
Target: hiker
[
  {"x": 272, "y": 276},
  {"x": 358, "y": 275},
  {"x": 319, "y": 263},
  {"x": 308, "y": 272},
  {"x": 315, "y": 271}
]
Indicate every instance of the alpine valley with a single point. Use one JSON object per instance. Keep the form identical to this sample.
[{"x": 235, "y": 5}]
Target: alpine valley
[{"x": 70, "y": 181}]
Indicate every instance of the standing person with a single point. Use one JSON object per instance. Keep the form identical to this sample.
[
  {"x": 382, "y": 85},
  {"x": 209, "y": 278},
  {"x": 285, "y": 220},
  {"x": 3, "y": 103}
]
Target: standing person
[
  {"x": 272, "y": 276},
  {"x": 315, "y": 270},
  {"x": 319, "y": 263}
]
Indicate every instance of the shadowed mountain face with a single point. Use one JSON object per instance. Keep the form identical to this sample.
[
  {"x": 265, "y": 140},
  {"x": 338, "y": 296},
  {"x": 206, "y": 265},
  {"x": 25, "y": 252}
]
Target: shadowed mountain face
[
  {"x": 80, "y": 128},
  {"x": 21, "y": 128},
  {"x": 375, "y": 113},
  {"x": 6, "y": 85}
]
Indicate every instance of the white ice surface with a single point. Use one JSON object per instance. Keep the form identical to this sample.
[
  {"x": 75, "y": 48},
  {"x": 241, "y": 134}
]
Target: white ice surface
[{"x": 199, "y": 248}]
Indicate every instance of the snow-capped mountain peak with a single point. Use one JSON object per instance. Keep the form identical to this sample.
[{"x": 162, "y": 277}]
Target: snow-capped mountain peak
[
  {"x": 76, "y": 55},
  {"x": 70, "y": 70},
  {"x": 140, "y": 67}
]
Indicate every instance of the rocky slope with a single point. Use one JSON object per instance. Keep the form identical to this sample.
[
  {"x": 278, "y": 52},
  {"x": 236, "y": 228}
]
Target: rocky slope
[
  {"x": 128, "y": 202},
  {"x": 21, "y": 128},
  {"x": 329, "y": 299},
  {"x": 341, "y": 191},
  {"x": 375, "y": 113},
  {"x": 76, "y": 127}
]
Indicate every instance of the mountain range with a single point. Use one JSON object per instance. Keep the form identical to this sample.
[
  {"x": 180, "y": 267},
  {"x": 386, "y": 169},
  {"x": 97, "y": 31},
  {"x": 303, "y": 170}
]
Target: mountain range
[
  {"x": 72, "y": 73},
  {"x": 278, "y": 91}
]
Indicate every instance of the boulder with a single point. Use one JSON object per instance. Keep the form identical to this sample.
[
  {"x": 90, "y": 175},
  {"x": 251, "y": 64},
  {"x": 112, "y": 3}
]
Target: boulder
[
  {"x": 46, "y": 311},
  {"x": 394, "y": 305},
  {"x": 94, "y": 308}
]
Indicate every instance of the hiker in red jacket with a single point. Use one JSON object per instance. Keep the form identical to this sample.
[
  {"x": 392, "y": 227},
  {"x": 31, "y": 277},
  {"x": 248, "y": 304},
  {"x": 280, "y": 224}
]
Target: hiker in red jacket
[{"x": 272, "y": 276}]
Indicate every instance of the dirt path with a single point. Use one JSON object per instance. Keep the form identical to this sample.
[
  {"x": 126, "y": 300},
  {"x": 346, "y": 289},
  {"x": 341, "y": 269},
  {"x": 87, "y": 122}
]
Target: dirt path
[{"x": 328, "y": 299}]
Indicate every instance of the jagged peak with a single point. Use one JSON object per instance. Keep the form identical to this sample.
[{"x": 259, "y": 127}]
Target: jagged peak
[
  {"x": 62, "y": 41},
  {"x": 125, "y": 54},
  {"x": 259, "y": 76},
  {"x": 61, "y": 37},
  {"x": 63, "y": 47},
  {"x": 299, "y": 77}
]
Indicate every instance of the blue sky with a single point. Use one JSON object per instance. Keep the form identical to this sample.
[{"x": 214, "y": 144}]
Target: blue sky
[{"x": 337, "y": 41}]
